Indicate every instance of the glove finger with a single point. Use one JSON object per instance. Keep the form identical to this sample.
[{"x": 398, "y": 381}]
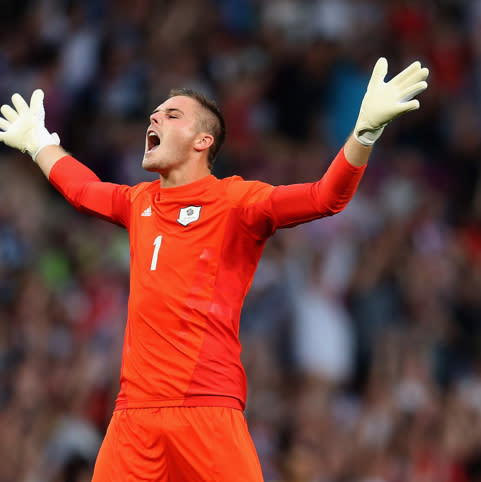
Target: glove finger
[
  {"x": 19, "y": 102},
  {"x": 4, "y": 124},
  {"x": 424, "y": 73},
  {"x": 413, "y": 91},
  {"x": 405, "y": 74},
  {"x": 415, "y": 77},
  {"x": 379, "y": 72},
  {"x": 408, "y": 106},
  {"x": 9, "y": 113},
  {"x": 36, "y": 101}
]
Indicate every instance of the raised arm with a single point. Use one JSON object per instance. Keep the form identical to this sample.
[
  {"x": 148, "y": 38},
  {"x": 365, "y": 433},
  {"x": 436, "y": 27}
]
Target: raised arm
[
  {"x": 287, "y": 206},
  {"x": 23, "y": 128}
]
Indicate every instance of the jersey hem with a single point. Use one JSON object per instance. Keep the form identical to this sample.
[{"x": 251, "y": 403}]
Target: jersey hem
[{"x": 195, "y": 401}]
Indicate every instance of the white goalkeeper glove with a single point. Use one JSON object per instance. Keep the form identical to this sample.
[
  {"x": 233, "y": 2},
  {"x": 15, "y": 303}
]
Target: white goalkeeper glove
[
  {"x": 384, "y": 101},
  {"x": 23, "y": 128}
]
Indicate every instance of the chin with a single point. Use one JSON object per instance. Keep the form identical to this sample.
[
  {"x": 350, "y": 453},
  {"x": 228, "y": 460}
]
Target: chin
[{"x": 149, "y": 164}]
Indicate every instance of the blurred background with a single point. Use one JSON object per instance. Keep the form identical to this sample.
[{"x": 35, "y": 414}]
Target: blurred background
[{"x": 362, "y": 332}]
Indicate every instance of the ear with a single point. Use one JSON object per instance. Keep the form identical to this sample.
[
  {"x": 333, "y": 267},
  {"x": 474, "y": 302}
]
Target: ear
[{"x": 203, "y": 142}]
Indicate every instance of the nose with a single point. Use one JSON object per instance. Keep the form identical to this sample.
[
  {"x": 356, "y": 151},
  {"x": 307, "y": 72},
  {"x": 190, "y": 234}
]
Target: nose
[{"x": 155, "y": 117}]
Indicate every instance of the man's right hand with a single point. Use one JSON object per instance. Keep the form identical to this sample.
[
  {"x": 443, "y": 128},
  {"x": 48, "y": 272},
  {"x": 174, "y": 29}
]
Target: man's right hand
[{"x": 24, "y": 128}]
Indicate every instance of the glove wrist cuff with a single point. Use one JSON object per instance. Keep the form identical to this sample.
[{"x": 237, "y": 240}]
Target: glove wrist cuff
[
  {"x": 45, "y": 139},
  {"x": 368, "y": 137}
]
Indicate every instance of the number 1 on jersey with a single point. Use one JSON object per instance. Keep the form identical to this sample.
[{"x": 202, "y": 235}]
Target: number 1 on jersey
[{"x": 155, "y": 256}]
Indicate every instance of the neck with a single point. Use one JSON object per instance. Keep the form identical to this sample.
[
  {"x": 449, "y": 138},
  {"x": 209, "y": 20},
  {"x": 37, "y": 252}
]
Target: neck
[{"x": 179, "y": 177}]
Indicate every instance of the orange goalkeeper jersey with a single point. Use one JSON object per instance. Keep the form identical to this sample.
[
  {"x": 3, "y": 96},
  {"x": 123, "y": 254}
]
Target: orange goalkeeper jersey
[{"x": 193, "y": 253}]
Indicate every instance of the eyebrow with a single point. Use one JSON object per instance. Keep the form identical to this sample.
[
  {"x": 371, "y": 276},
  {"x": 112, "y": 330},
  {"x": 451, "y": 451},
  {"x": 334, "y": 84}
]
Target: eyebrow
[{"x": 168, "y": 110}]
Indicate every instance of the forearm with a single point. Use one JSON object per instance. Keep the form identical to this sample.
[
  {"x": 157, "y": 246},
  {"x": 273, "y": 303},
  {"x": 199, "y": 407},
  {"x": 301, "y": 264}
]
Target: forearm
[
  {"x": 48, "y": 157},
  {"x": 298, "y": 203},
  {"x": 356, "y": 153},
  {"x": 82, "y": 188}
]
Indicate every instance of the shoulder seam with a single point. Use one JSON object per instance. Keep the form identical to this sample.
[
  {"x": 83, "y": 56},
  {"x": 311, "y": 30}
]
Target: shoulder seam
[{"x": 139, "y": 189}]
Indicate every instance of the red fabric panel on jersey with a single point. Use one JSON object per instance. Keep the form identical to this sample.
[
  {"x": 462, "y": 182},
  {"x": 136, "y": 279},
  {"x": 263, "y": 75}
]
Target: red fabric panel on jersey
[{"x": 194, "y": 252}]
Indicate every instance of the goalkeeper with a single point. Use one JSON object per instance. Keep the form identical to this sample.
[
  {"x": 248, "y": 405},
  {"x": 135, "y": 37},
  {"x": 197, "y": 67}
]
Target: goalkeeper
[{"x": 195, "y": 243}]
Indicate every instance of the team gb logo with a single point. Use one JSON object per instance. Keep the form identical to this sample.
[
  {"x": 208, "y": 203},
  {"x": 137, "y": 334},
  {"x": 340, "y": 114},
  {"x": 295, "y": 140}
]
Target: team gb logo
[{"x": 188, "y": 215}]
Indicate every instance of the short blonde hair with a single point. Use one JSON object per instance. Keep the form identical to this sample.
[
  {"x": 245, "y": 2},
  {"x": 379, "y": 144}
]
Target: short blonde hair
[{"x": 213, "y": 122}]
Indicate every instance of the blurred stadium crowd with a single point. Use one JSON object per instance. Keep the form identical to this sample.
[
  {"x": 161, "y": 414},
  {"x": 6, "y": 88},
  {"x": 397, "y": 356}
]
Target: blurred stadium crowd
[{"x": 361, "y": 333}]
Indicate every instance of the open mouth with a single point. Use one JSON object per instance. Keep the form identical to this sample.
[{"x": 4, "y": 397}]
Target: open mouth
[{"x": 153, "y": 140}]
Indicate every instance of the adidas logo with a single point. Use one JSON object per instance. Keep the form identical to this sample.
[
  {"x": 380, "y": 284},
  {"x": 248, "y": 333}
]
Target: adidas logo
[{"x": 147, "y": 212}]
